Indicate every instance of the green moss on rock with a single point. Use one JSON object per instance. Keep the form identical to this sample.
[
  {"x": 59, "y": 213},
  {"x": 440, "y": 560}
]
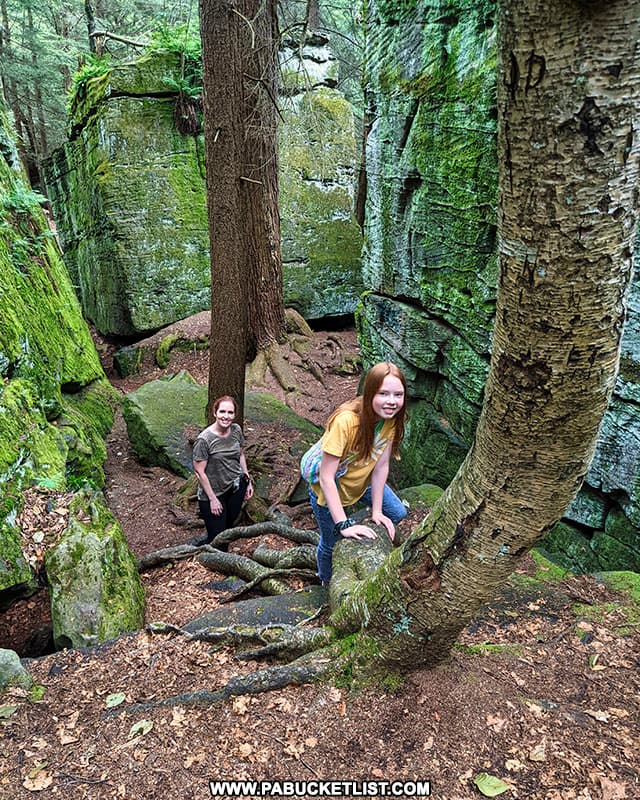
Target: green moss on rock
[{"x": 96, "y": 592}]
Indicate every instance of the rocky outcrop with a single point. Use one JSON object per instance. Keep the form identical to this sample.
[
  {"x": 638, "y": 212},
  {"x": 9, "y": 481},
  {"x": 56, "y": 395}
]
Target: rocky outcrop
[
  {"x": 129, "y": 199},
  {"x": 56, "y": 408},
  {"x": 128, "y": 191},
  {"x": 321, "y": 241},
  {"x": 430, "y": 264},
  {"x": 55, "y": 403},
  {"x": 96, "y": 592}
]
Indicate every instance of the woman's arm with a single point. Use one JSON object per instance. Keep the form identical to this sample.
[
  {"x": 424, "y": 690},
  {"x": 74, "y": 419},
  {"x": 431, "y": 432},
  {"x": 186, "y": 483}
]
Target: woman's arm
[
  {"x": 328, "y": 469},
  {"x": 378, "y": 481},
  {"x": 243, "y": 466},
  {"x": 200, "y": 470}
]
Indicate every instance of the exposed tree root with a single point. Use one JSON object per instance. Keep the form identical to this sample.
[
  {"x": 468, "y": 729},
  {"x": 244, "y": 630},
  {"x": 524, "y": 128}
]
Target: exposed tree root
[
  {"x": 285, "y": 642},
  {"x": 167, "y": 555},
  {"x": 309, "y": 668},
  {"x": 296, "y": 323},
  {"x": 243, "y": 567},
  {"x": 301, "y": 557},
  {"x": 297, "y": 535},
  {"x": 268, "y": 576}
]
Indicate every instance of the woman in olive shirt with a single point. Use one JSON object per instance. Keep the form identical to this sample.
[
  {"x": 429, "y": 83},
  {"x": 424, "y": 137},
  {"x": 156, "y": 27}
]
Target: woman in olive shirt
[{"x": 221, "y": 467}]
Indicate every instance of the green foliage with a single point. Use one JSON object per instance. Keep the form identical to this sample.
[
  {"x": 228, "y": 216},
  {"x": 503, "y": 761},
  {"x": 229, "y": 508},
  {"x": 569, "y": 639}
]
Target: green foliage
[
  {"x": 181, "y": 39},
  {"x": 94, "y": 67}
]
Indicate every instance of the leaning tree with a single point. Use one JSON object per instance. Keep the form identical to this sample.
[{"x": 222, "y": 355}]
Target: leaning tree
[{"x": 569, "y": 114}]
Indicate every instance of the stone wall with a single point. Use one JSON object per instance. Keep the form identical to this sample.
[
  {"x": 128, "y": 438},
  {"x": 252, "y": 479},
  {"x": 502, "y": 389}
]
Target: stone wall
[
  {"x": 56, "y": 406},
  {"x": 128, "y": 192},
  {"x": 430, "y": 264}
]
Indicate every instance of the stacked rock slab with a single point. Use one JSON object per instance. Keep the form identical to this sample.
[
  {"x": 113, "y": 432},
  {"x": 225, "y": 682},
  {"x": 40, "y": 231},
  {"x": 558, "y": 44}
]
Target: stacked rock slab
[
  {"x": 430, "y": 262},
  {"x": 129, "y": 199},
  {"x": 129, "y": 196},
  {"x": 321, "y": 241}
]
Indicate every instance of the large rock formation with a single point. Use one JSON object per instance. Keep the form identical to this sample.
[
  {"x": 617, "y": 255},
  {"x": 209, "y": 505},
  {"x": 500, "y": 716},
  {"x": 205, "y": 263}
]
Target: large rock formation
[
  {"x": 129, "y": 198},
  {"x": 430, "y": 262},
  {"x": 128, "y": 191},
  {"x": 321, "y": 241},
  {"x": 56, "y": 405}
]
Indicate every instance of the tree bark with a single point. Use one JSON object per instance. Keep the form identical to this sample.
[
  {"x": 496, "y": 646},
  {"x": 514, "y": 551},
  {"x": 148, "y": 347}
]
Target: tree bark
[
  {"x": 266, "y": 309},
  {"x": 224, "y": 38},
  {"x": 568, "y": 98},
  {"x": 239, "y": 55}
]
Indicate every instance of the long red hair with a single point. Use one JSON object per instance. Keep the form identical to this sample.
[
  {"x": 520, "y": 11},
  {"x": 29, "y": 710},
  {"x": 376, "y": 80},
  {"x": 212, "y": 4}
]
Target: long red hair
[{"x": 363, "y": 407}]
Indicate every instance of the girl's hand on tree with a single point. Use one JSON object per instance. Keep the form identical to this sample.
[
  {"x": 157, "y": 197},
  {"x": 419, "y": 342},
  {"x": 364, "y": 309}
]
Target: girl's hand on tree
[
  {"x": 358, "y": 532},
  {"x": 216, "y": 506},
  {"x": 381, "y": 519}
]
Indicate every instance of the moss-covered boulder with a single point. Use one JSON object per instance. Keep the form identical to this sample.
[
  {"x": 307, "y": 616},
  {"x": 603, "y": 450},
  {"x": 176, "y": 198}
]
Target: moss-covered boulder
[
  {"x": 55, "y": 403},
  {"x": 161, "y": 416},
  {"x": 12, "y": 673},
  {"x": 96, "y": 592}
]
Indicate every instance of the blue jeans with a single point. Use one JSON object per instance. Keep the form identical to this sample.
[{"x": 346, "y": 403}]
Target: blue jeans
[{"x": 392, "y": 507}]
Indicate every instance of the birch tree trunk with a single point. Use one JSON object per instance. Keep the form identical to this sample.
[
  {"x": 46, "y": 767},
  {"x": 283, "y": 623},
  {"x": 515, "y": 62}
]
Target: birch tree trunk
[{"x": 569, "y": 108}]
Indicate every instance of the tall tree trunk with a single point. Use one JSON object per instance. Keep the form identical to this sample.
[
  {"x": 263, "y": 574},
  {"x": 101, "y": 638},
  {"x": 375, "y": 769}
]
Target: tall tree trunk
[
  {"x": 90, "y": 16},
  {"x": 10, "y": 88},
  {"x": 39, "y": 109},
  {"x": 569, "y": 148},
  {"x": 313, "y": 15},
  {"x": 266, "y": 310},
  {"x": 225, "y": 37},
  {"x": 239, "y": 55}
]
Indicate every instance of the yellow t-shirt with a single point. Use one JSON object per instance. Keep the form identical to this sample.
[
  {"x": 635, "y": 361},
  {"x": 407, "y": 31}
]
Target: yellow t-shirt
[{"x": 353, "y": 477}]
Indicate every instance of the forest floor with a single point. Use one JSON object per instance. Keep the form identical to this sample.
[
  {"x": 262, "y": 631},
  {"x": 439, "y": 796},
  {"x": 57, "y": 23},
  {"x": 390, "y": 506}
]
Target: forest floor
[{"x": 542, "y": 692}]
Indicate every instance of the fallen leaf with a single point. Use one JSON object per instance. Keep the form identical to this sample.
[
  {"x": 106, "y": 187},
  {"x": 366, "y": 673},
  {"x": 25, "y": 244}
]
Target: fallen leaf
[
  {"x": 496, "y": 723},
  {"x": 612, "y": 790},
  {"x": 7, "y": 711},
  {"x": 513, "y": 765},
  {"x": 489, "y": 785},
  {"x": 114, "y": 699},
  {"x": 197, "y": 759},
  {"x": 245, "y": 749},
  {"x": 335, "y": 695},
  {"x": 42, "y": 780},
  {"x": 140, "y": 728},
  {"x": 601, "y": 716},
  {"x": 538, "y": 753},
  {"x": 377, "y": 772},
  {"x": 311, "y": 741},
  {"x": 178, "y": 716},
  {"x": 64, "y": 736},
  {"x": 240, "y": 705}
]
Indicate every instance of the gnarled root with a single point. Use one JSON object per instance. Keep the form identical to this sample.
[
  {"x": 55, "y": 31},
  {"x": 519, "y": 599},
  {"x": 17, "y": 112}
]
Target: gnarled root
[
  {"x": 296, "y": 535},
  {"x": 311, "y": 667},
  {"x": 243, "y": 567},
  {"x": 301, "y": 557}
]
